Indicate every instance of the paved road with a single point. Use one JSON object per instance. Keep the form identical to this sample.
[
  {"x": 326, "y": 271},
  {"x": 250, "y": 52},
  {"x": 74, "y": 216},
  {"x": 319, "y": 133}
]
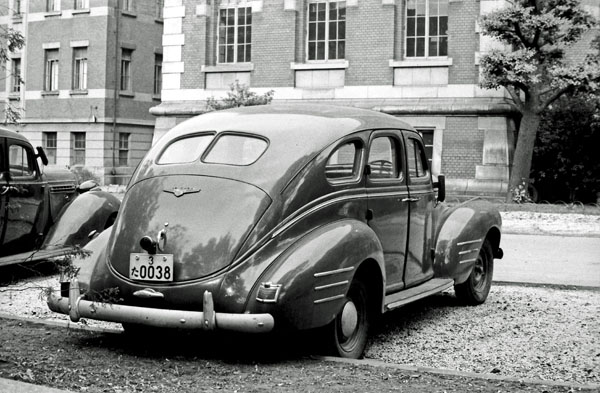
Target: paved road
[{"x": 549, "y": 260}]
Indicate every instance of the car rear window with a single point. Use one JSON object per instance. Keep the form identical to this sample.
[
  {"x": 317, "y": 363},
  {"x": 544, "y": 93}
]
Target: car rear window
[
  {"x": 236, "y": 150},
  {"x": 185, "y": 150}
]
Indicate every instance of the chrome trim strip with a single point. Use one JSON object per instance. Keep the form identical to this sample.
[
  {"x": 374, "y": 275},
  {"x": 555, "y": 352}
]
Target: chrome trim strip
[
  {"x": 332, "y": 272},
  {"x": 467, "y": 251},
  {"x": 467, "y": 260},
  {"x": 469, "y": 242},
  {"x": 329, "y": 299},
  {"x": 335, "y": 284}
]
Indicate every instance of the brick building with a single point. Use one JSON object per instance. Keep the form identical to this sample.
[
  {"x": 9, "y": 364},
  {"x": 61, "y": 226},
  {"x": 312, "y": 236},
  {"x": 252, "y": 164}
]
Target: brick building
[
  {"x": 91, "y": 72},
  {"x": 415, "y": 59}
]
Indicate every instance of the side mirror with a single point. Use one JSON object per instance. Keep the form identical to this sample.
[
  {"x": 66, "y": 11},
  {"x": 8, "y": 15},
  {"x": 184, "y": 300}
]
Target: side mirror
[
  {"x": 42, "y": 155},
  {"x": 440, "y": 185},
  {"x": 86, "y": 186}
]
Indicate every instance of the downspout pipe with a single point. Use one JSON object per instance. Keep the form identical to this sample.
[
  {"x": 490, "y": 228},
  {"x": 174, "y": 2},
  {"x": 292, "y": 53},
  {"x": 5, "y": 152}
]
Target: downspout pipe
[{"x": 116, "y": 89}]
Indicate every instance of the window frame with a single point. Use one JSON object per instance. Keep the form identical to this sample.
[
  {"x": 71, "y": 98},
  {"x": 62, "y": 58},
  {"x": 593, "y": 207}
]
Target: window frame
[
  {"x": 326, "y": 39},
  {"x": 398, "y": 149},
  {"x": 15, "y": 77},
  {"x": 126, "y": 64},
  {"x": 426, "y": 178},
  {"x": 128, "y": 5},
  {"x": 51, "y": 70},
  {"x": 157, "y": 87},
  {"x": 426, "y": 37},
  {"x": 47, "y": 148},
  {"x": 236, "y": 27},
  {"x": 81, "y": 4},
  {"x": 160, "y": 4},
  {"x": 220, "y": 135},
  {"x": 79, "y": 79},
  {"x": 124, "y": 142},
  {"x": 74, "y": 149},
  {"x": 52, "y": 5},
  {"x": 31, "y": 161},
  {"x": 357, "y": 166}
]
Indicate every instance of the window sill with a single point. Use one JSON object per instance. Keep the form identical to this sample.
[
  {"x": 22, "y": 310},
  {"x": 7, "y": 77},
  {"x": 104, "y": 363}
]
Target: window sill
[
  {"x": 81, "y": 11},
  {"x": 128, "y": 94},
  {"x": 17, "y": 18},
  {"x": 229, "y": 67},
  {"x": 50, "y": 93},
  {"x": 78, "y": 92},
  {"x": 129, "y": 14},
  {"x": 327, "y": 65},
  {"x": 50, "y": 14},
  {"x": 159, "y": 20},
  {"x": 437, "y": 62},
  {"x": 16, "y": 96}
]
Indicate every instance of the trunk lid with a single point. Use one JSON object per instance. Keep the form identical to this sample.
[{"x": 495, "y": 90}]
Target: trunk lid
[{"x": 208, "y": 218}]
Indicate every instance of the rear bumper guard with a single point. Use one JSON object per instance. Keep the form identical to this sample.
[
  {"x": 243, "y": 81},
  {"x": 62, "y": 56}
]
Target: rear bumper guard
[{"x": 76, "y": 307}]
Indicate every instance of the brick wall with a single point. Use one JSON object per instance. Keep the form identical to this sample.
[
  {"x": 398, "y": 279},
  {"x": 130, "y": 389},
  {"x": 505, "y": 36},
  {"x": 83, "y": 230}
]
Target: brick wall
[
  {"x": 463, "y": 42},
  {"x": 463, "y": 147},
  {"x": 195, "y": 50}
]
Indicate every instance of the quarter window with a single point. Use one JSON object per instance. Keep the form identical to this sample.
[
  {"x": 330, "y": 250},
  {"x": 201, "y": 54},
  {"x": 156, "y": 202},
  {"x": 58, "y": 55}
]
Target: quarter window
[
  {"x": 78, "y": 148},
  {"x": 426, "y": 28},
  {"x": 383, "y": 158},
  {"x": 51, "y": 70},
  {"x": 417, "y": 162},
  {"x": 185, "y": 150},
  {"x": 343, "y": 162},
  {"x": 236, "y": 150},
  {"x": 18, "y": 161},
  {"x": 326, "y": 30},
  {"x": 49, "y": 144},
  {"x": 235, "y": 34}
]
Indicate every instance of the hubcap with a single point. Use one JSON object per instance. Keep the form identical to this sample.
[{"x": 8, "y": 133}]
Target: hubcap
[{"x": 349, "y": 320}]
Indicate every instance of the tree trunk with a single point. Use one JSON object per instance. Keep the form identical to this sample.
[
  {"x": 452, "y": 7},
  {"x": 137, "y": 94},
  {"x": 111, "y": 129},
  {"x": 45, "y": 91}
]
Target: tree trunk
[{"x": 521, "y": 166}]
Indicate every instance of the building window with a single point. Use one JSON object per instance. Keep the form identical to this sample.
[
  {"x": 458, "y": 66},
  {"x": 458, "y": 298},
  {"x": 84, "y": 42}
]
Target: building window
[
  {"x": 426, "y": 28},
  {"x": 126, "y": 69},
  {"x": 127, "y": 5},
  {"x": 235, "y": 34},
  {"x": 78, "y": 148},
  {"x": 123, "y": 149},
  {"x": 80, "y": 68},
  {"x": 15, "y": 84},
  {"x": 157, "y": 74},
  {"x": 49, "y": 144},
  {"x": 52, "y": 5},
  {"x": 16, "y": 7},
  {"x": 82, "y": 4},
  {"x": 160, "y": 4},
  {"x": 326, "y": 30},
  {"x": 51, "y": 70},
  {"x": 427, "y": 135}
]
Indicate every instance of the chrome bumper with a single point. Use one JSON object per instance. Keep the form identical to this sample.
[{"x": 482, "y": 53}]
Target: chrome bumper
[{"x": 208, "y": 319}]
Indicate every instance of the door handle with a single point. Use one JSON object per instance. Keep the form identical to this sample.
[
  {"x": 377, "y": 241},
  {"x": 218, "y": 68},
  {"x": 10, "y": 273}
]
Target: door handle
[{"x": 410, "y": 199}]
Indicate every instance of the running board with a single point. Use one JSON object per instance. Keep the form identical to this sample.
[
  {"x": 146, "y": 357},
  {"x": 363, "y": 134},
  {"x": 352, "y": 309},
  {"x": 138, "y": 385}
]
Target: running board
[{"x": 410, "y": 295}]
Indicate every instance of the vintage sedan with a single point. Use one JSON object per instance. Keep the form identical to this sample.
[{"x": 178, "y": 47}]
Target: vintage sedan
[
  {"x": 45, "y": 214},
  {"x": 283, "y": 217}
]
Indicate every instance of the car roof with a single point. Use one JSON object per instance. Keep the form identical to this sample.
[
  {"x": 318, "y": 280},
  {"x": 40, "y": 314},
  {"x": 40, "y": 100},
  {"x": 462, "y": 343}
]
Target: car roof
[
  {"x": 6, "y": 133},
  {"x": 296, "y": 134}
]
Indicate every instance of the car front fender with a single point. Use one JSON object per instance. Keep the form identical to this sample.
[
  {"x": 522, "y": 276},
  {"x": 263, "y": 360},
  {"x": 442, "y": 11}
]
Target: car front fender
[
  {"x": 461, "y": 236},
  {"x": 315, "y": 274},
  {"x": 92, "y": 211}
]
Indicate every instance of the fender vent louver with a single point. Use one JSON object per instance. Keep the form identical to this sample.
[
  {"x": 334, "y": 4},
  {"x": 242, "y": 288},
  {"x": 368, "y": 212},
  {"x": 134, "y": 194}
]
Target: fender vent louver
[{"x": 68, "y": 188}]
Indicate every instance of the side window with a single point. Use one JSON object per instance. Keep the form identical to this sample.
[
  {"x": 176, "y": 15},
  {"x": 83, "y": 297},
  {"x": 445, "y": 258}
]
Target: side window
[
  {"x": 383, "y": 158},
  {"x": 417, "y": 162},
  {"x": 18, "y": 161},
  {"x": 343, "y": 162}
]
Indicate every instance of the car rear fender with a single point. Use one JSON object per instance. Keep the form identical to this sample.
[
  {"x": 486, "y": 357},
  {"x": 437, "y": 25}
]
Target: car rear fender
[
  {"x": 461, "y": 235},
  {"x": 92, "y": 211},
  {"x": 315, "y": 274}
]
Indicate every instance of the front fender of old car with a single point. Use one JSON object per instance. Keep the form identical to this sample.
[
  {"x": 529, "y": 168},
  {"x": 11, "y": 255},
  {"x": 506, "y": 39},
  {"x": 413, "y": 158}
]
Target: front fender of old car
[
  {"x": 313, "y": 274},
  {"x": 460, "y": 234},
  {"x": 91, "y": 211}
]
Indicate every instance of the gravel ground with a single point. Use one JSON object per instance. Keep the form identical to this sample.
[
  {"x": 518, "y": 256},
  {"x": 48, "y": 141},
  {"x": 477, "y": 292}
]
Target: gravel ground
[{"x": 545, "y": 333}]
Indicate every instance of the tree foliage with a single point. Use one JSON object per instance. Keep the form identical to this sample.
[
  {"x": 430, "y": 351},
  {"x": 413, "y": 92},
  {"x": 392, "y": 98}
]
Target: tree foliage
[
  {"x": 10, "y": 41},
  {"x": 542, "y": 62},
  {"x": 239, "y": 95},
  {"x": 566, "y": 164}
]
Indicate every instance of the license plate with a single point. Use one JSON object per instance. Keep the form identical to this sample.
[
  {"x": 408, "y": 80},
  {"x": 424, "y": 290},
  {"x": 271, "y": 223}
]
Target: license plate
[{"x": 147, "y": 267}]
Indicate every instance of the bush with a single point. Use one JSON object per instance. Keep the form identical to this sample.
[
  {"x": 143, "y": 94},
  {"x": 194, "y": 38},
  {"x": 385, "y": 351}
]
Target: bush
[{"x": 239, "y": 95}]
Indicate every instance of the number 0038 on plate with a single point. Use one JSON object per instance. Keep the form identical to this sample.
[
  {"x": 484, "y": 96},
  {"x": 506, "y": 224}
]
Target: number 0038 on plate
[{"x": 156, "y": 267}]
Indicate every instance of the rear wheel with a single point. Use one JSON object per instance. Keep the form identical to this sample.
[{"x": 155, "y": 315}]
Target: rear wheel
[
  {"x": 348, "y": 331},
  {"x": 477, "y": 287}
]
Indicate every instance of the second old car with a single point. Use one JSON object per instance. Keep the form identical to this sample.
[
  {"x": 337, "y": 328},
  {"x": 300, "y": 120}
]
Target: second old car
[{"x": 283, "y": 217}]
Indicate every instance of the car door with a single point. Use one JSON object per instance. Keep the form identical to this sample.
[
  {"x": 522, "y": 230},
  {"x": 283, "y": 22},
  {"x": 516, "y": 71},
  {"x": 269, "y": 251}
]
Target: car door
[
  {"x": 3, "y": 191},
  {"x": 419, "y": 264},
  {"x": 24, "y": 199},
  {"x": 387, "y": 202}
]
